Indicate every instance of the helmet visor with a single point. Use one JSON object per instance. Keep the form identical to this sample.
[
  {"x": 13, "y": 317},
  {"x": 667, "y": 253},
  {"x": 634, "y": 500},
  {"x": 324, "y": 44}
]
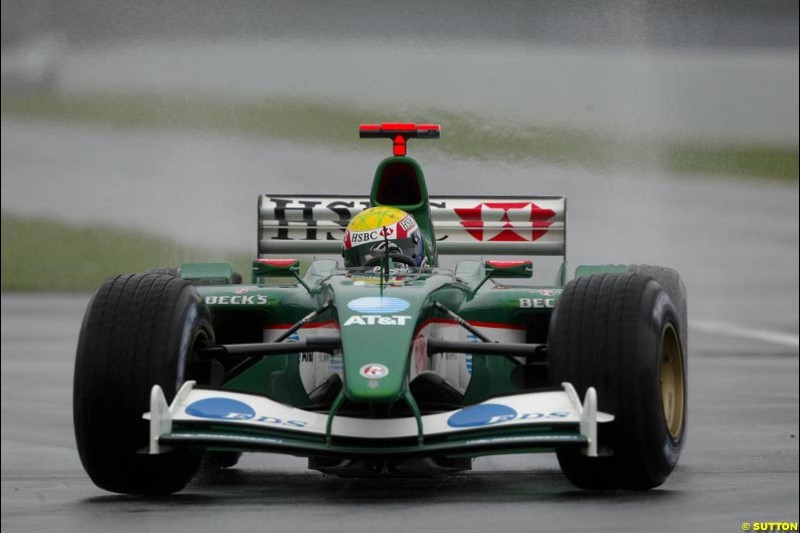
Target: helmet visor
[{"x": 406, "y": 250}]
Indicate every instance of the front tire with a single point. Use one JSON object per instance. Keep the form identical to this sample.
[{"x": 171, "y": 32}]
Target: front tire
[
  {"x": 620, "y": 333},
  {"x": 138, "y": 331},
  {"x": 671, "y": 282}
]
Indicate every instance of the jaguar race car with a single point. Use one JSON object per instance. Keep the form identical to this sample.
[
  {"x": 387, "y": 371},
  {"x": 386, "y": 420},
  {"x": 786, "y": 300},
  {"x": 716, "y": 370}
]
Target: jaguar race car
[{"x": 377, "y": 358}]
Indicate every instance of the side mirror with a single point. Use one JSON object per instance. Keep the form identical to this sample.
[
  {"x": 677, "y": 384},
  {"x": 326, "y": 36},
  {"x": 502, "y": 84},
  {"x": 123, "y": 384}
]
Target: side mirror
[
  {"x": 276, "y": 267},
  {"x": 508, "y": 269},
  {"x": 496, "y": 268},
  {"x": 264, "y": 268},
  {"x": 213, "y": 273}
]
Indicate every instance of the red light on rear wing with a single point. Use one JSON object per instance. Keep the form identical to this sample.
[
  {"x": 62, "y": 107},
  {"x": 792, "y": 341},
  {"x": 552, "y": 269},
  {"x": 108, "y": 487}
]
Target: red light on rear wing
[
  {"x": 399, "y": 132},
  {"x": 409, "y": 130}
]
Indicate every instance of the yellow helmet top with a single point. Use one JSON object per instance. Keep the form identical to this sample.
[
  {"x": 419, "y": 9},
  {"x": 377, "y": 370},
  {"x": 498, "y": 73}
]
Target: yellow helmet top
[
  {"x": 380, "y": 232},
  {"x": 376, "y": 218}
]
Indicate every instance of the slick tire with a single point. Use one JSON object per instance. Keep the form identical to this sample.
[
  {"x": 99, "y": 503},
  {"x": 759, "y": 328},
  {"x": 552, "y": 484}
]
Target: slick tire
[
  {"x": 620, "y": 333},
  {"x": 138, "y": 331},
  {"x": 174, "y": 272},
  {"x": 217, "y": 460},
  {"x": 670, "y": 281}
]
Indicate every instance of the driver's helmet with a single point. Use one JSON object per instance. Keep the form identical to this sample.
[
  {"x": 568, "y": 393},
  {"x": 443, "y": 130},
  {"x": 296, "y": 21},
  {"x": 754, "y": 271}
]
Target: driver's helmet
[{"x": 375, "y": 230}]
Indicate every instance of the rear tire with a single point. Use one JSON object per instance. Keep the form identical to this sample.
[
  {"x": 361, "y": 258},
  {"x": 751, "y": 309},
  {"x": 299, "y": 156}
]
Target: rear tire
[
  {"x": 620, "y": 333},
  {"x": 138, "y": 331}
]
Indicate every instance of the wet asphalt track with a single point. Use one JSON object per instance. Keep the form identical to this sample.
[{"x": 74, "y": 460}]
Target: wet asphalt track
[{"x": 735, "y": 245}]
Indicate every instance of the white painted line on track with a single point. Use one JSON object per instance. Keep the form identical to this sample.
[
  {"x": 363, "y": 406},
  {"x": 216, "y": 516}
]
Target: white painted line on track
[{"x": 734, "y": 330}]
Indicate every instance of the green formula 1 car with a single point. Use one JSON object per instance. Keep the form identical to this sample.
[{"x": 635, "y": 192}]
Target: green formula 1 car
[{"x": 386, "y": 363}]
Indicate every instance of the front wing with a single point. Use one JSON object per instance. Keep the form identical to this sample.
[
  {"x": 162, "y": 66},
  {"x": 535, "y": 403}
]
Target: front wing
[{"x": 537, "y": 421}]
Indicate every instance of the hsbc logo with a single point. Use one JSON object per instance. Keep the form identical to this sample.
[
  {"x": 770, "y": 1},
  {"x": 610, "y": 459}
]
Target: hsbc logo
[
  {"x": 303, "y": 214},
  {"x": 369, "y": 236},
  {"x": 505, "y": 221},
  {"x": 326, "y": 218},
  {"x": 319, "y": 219}
]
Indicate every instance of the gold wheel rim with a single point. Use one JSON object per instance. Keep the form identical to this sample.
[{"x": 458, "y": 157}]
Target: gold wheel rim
[{"x": 673, "y": 391}]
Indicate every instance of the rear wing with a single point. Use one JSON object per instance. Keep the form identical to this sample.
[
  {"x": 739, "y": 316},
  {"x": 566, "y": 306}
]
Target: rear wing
[{"x": 508, "y": 225}]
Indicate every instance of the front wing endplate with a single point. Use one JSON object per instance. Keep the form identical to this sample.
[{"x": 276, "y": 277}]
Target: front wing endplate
[{"x": 536, "y": 421}]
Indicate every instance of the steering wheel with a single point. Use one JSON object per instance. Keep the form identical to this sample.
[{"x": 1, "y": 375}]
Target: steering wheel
[{"x": 397, "y": 258}]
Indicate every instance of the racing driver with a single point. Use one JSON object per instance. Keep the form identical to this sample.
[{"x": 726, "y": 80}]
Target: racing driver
[{"x": 383, "y": 232}]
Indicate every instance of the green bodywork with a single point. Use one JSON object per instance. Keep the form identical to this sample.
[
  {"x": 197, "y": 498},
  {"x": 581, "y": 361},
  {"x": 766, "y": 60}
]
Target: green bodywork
[
  {"x": 471, "y": 291},
  {"x": 216, "y": 273},
  {"x": 482, "y": 293},
  {"x": 420, "y": 209},
  {"x": 517, "y": 307}
]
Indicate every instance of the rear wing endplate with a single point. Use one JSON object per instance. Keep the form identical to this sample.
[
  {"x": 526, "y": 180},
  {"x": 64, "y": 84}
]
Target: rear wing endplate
[{"x": 508, "y": 225}]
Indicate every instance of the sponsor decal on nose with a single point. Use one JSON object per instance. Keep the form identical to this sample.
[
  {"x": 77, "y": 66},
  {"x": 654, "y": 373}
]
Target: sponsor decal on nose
[
  {"x": 377, "y": 320},
  {"x": 378, "y": 304},
  {"x": 374, "y": 371}
]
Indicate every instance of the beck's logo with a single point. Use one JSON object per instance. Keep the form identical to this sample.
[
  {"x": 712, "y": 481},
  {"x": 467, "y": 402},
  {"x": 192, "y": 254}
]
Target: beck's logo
[
  {"x": 511, "y": 221},
  {"x": 537, "y": 303},
  {"x": 238, "y": 299}
]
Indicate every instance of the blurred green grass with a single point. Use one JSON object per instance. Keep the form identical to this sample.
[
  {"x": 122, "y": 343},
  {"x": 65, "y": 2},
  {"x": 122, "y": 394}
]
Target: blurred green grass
[
  {"x": 40, "y": 254},
  {"x": 465, "y": 135}
]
